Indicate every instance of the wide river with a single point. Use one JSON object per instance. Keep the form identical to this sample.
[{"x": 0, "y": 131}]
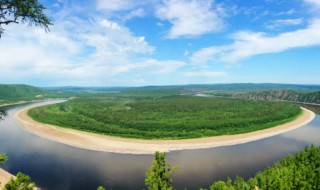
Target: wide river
[{"x": 57, "y": 166}]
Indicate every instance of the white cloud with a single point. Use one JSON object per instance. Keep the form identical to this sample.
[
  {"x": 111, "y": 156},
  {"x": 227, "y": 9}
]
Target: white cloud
[
  {"x": 314, "y": 3},
  {"x": 109, "y": 25},
  {"x": 208, "y": 74},
  {"x": 139, "y": 81},
  {"x": 165, "y": 66},
  {"x": 248, "y": 44},
  {"x": 135, "y": 13},
  {"x": 115, "y": 5},
  {"x": 76, "y": 52},
  {"x": 288, "y": 12},
  {"x": 190, "y": 18},
  {"x": 281, "y": 23}
]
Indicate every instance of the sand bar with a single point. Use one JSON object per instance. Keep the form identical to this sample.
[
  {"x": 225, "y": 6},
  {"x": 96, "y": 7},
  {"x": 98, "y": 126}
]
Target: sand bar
[
  {"x": 106, "y": 143},
  {"x": 4, "y": 177}
]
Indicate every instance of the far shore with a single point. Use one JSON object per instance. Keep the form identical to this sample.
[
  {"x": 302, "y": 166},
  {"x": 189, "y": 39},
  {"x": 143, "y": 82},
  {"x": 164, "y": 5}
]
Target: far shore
[
  {"x": 106, "y": 143},
  {"x": 32, "y": 101},
  {"x": 19, "y": 102}
]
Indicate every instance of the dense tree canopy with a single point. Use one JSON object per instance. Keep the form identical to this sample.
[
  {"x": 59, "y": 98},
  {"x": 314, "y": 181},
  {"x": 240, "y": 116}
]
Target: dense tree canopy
[
  {"x": 175, "y": 117},
  {"x": 3, "y": 158},
  {"x": 158, "y": 175},
  {"x": 3, "y": 114},
  {"x": 23, "y": 11}
]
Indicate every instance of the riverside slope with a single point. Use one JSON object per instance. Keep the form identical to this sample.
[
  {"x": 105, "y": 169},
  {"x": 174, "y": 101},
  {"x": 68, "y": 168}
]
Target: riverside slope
[{"x": 106, "y": 143}]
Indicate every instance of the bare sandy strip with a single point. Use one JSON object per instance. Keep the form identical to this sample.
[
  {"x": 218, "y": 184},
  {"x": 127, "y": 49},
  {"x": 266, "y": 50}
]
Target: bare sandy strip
[
  {"x": 4, "y": 177},
  {"x": 106, "y": 143}
]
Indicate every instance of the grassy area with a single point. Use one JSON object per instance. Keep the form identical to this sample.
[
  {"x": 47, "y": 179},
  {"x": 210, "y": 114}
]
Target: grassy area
[{"x": 174, "y": 117}]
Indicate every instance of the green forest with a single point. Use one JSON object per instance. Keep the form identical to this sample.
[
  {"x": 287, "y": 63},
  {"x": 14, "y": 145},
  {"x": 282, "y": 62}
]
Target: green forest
[
  {"x": 174, "y": 117},
  {"x": 21, "y": 92},
  {"x": 13, "y": 93}
]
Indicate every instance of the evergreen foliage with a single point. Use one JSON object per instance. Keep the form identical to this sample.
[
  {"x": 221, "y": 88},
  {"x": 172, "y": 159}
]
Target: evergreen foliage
[
  {"x": 3, "y": 114},
  {"x": 3, "y": 158},
  {"x": 23, "y": 11},
  {"x": 22, "y": 182},
  {"x": 175, "y": 117},
  {"x": 101, "y": 188},
  {"x": 11, "y": 93},
  {"x": 158, "y": 175}
]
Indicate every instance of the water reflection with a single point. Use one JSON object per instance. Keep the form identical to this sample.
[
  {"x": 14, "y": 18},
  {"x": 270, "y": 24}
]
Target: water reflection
[{"x": 56, "y": 166}]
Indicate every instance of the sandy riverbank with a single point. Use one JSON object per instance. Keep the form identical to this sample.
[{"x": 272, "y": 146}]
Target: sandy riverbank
[
  {"x": 4, "y": 177},
  {"x": 98, "y": 142}
]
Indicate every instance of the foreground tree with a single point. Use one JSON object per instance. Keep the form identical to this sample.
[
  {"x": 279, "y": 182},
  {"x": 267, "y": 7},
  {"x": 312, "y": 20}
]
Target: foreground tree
[
  {"x": 301, "y": 171},
  {"x": 22, "y": 182},
  {"x": 101, "y": 188},
  {"x": 3, "y": 114},
  {"x": 3, "y": 158},
  {"x": 23, "y": 11},
  {"x": 158, "y": 175}
]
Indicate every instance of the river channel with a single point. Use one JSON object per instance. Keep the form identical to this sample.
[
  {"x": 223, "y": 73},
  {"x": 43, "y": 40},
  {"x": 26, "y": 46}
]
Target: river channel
[{"x": 57, "y": 166}]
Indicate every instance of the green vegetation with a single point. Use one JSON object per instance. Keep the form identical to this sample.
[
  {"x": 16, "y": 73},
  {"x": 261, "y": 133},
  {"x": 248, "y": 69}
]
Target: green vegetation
[
  {"x": 21, "y": 182},
  {"x": 3, "y": 158},
  {"x": 3, "y": 114},
  {"x": 20, "y": 92},
  {"x": 150, "y": 92},
  {"x": 286, "y": 95},
  {"x": 176, "y": 117},
  {"x": 301, "y": 171},
  {"x": 301, "y": 93},
  {"x": 13, "y": 93},
  {"x": 101, "y": 188},
  {"x": 22, "y": 11},
  {"x": 158, "y": 175}
]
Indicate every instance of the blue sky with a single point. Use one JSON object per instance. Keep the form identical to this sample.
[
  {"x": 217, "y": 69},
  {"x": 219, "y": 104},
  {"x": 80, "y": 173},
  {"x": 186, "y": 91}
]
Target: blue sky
[{"x": 166, "y": 42}]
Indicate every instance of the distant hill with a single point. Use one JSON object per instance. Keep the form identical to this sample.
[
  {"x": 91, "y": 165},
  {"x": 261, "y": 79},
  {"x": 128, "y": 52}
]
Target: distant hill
[
  {"x": 21, "y": 92},
  {"x": 198, "y": 87},
  {"x": 286, "y": 95},
  {"x": 18, "y": 92},
  {"x": 265, "y": 91}
]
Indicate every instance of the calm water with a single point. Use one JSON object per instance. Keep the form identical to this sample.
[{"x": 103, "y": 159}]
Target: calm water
[{"x": 56, "y": 166}]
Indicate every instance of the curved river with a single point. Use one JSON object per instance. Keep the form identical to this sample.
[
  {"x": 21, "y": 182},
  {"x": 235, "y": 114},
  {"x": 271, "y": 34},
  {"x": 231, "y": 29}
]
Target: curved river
[{"x": 57, "y": 166}]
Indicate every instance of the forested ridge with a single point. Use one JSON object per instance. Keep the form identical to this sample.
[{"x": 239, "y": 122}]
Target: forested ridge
[
  {"x": 13, "y": 93},
  {"x": 175, "y": 117},
  {"x": 286, "y": 95},
  {"x": 287, "y": 92}
]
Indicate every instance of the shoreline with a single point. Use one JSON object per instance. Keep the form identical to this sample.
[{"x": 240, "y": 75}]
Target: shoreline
[
  {"x": 18, "y": 102},
  {"x": 5, "y": 177},
  {"x": 98, "y": 142},
  {"x": 31, "y": 101}
]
